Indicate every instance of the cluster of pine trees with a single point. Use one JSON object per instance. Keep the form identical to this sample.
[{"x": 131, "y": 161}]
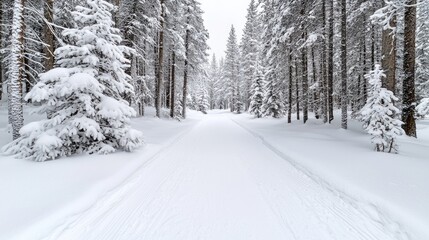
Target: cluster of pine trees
[
  {"x": 89, "y": 64},
  {"x": 302, "y": 56}
]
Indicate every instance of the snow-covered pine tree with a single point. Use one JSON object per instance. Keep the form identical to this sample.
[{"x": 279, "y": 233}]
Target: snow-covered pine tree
[
  {"x": 379, "y": 114},
  {"x": 231, "y": 69},
  {"x": 203, "y": 100},
  {"x": 257, "y": 97},
  {"x": 84, "y": 93},
  {"x": 273, "y": 105}
]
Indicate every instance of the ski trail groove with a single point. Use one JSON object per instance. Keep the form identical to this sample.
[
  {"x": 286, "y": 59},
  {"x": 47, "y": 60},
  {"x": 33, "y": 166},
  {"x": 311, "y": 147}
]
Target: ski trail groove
[{"x": 221, "y": 181}]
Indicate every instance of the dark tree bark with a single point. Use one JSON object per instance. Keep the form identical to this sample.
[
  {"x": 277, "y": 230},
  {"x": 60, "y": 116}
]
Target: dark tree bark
[
  {"x": 324, "y": 67},
  {"x": 297, "y": 91},
  {"x": 49, "y": 50},
  {"x": 344, "y": 92},
  {"x": 173, "y": 84},
  {"x": 388, "y": 60},
  {"x": 159, "y": 75},
  {"x": 289, "y": 114},
  {"x": 330, "y": 64},
  {"x": 185, "y": 74},
  {"x": 304, "y": 63},
  {"x": 409, "y": 96}
]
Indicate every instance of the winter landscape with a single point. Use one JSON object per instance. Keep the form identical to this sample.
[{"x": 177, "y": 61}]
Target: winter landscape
[{"x": 203, "y": 119}]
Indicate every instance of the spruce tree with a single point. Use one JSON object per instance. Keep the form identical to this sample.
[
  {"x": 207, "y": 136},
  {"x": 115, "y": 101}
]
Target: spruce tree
[
  {"x": 379, "y": 114},
  {"x": 257, "y": 97},
  {"x": 84, "y": 93}
]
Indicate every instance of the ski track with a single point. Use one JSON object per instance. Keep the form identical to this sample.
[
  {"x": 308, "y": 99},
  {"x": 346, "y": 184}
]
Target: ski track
[{"x": 221, "y": 181}]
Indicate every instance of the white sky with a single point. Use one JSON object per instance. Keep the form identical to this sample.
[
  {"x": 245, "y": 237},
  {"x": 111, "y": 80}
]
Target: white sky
[{"x": 219, "y": 16}]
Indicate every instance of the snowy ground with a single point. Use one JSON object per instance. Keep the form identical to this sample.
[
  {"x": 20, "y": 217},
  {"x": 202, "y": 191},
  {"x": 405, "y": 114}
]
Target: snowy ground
[{"x": 224, "y": 177}]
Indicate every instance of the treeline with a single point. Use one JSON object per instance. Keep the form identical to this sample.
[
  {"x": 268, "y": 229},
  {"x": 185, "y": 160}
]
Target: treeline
[{"x": 302, "y": 57}]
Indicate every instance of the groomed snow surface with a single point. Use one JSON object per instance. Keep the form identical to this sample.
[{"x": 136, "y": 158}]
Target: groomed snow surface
[{"x": 223, "y": 176}]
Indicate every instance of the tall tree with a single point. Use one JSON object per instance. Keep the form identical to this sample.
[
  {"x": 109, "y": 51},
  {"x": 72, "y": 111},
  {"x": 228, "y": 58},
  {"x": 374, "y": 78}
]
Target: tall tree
[
  {"x": 409, "y": 98},
  {"x": 344, "y": 70},
  {"x": 160, "y": 63},
  {"x": 16, "y": 68}
]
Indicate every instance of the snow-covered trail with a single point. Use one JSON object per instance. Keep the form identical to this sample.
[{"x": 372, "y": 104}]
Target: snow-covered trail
[{"x": 221, "y": 182}]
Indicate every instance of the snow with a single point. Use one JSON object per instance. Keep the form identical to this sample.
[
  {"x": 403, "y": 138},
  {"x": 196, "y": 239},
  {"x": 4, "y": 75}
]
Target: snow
[
  {"x": 224, "y": 176},
  {"x": 392, "y": 187},
  {"x": 36, "y": 197}
]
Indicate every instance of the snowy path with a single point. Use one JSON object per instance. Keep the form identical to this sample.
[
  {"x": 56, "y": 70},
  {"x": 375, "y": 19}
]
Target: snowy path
[{"x": 220, "y": 182}]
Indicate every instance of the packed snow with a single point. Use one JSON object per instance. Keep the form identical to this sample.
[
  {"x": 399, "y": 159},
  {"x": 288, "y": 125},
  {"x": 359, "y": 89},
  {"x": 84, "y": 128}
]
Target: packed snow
[{"x": 224, "y": 176}]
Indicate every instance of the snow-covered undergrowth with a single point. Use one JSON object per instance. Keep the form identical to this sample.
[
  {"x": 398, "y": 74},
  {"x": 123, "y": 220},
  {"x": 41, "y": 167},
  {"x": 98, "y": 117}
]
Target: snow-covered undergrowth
[
  {"x": 38, "y": 197},
  {"x": 392, "y": 188}
]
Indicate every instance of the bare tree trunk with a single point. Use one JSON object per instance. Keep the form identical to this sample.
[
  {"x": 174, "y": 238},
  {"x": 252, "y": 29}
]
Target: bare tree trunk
[
  {"x": 173, "y": 84},
  {"x": 324, "y": 67},
  {"x": 185, "y": 74},
  {"x": 289, "y": 114},
  {"x": 304, "y": 63},
  {"x": 48, "y": 51},
  {"x": 388, "y": 60},
  {"x": 159, "y": 75},
  {"x": 297, "y": 91},
  {"x": 16, "y": 116},
  {"x": 305, "y": 94},
  {"x": 330, "y": 64},
  {"x": 344, "y": 92},
  {"x": 316, "y": 94},
  {"x": 409, "y": 98}
]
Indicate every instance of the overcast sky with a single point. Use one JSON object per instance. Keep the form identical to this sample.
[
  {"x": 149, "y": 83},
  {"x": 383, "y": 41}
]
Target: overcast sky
[{"x": 219, "y": 16}]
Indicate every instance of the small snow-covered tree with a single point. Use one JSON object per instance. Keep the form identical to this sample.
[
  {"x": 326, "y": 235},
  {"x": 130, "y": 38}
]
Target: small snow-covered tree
[
  {"x": 203, "y": 100},
  {"x": 83, "y": 94},
  {"x": 423, "y": 108},
  {"x": 257, "y": 97},
  {"x": 379, "y": 114}
]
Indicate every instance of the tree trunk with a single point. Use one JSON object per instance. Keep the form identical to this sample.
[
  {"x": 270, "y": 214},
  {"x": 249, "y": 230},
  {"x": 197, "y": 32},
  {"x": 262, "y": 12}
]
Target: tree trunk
[
  {"x": 48, "y": 51},
  {"x": 330, "y": 64},
  {"x": 388, "y": 60},
  {"x": 304, "y": 66},
  {"x": 185, "y": 73},
  {"x": 409, "y": 98},
  {"x": 289, "y": 114},
  {"x": 344, "y": 93},
  {"x": 16, "y": 74},
  {"x": 159, "y": 75},
  {"x": 324, "y": 68},
  {"x": 304, "y": 80},
  {"x": 173, "y": 84},
  {"x": 297, "y": 91}
]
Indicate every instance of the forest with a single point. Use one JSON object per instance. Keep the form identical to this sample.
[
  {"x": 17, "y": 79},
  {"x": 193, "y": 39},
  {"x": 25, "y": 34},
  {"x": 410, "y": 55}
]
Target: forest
[{"x": 294, "y": 57}]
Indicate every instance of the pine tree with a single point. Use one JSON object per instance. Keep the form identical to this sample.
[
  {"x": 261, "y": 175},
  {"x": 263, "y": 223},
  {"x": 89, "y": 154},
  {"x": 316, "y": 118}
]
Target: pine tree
[
  {"x": 378, "y": 115},
  {"x": 231, "y": 69},
  {"x": 273, "y": 105},
  {"x": 84, "y": 93},
  {"x": 257, "y": 97}
]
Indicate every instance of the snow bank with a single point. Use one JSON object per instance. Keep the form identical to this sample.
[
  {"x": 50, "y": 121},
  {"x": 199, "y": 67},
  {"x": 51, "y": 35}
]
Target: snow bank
[
  {"x": 39, "y": 197},
  {"x": 394, "y": 188}
]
